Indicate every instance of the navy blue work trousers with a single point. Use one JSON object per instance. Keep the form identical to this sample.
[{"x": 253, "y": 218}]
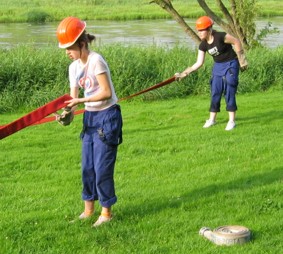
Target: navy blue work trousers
[
  {"x": 224, "y": 81},
  {"x": 101, "y": 135}
]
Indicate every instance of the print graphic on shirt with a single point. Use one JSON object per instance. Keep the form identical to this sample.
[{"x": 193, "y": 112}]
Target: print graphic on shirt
[
  {"x": 80, "y": 79},
  {"x": 86, "y": 83},
  {"x": 213, "y": 51}
]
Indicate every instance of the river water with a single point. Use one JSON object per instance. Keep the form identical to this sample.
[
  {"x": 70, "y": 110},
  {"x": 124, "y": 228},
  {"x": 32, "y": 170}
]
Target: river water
[{"x": 138, "y": 32}]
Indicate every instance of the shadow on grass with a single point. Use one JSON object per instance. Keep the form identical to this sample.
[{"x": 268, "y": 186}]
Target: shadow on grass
[
  {"x": 265, "y": 117},
  {"x": 150, "y": 129},
  {"x": 243, "y": 184}
]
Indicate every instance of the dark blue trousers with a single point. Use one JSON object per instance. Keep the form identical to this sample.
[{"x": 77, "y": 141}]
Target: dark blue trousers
[
  {"x": 224, "y": 81},
  {"x": 101, "y": 135}
]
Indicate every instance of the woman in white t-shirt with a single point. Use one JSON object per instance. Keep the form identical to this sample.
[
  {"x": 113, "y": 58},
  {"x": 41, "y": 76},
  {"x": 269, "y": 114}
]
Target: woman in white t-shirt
[{"x": 102, "y": 121}]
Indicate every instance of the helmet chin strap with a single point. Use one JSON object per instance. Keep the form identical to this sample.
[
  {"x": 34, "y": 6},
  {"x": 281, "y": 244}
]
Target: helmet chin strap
[
  {"x": 210, "y": 37},
  {"x": 210, "y": 30},
  {"x": 82, "y": 46}
]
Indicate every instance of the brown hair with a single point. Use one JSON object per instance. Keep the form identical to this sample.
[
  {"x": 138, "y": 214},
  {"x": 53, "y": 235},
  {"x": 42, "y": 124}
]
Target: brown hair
[{"x": 86, "y": 38}]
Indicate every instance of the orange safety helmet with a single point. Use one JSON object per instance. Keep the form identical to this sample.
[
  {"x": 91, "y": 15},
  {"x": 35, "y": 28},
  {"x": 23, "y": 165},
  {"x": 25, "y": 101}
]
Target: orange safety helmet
[
  {"x": 69, "y": 30},
  {"x": 203, "y": 23}
]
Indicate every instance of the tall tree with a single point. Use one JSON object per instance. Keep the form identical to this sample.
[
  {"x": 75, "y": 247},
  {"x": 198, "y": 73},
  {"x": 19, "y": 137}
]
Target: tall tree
[{"x": 237, "y": 20}]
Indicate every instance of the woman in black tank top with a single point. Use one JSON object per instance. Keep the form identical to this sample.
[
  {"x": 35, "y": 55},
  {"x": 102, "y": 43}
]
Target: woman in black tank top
[{"x": 228, "y": 56}]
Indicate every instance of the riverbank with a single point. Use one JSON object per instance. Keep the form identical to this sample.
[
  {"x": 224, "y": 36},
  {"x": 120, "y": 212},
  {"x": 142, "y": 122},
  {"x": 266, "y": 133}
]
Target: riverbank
[
  {"x": 161, "y": 32},
  {"x": 47, "y": 11}
]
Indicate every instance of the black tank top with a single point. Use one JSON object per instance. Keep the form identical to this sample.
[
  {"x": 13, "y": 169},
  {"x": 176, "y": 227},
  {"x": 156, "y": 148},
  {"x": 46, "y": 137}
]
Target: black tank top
[{"x": 218, "y": 49}]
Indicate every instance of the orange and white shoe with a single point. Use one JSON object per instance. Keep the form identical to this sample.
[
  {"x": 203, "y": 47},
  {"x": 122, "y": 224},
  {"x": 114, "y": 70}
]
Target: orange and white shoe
[
  {"x": 101, "y": 220},
  {"x": 86, "y": 214}
]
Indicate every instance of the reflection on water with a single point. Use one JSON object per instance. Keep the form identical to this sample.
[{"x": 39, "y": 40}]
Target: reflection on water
[{"x": 141, "y": 32}]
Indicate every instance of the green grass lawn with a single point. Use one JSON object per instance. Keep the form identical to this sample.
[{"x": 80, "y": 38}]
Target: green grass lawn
[
  {"x": 52, "y": 10},
  {"x": 172, "y": 178}
]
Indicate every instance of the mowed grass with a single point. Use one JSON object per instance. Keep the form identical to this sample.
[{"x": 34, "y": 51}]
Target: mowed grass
[
  {"x": 172, "y": 178},
  {"x": 51, "y": 10}
]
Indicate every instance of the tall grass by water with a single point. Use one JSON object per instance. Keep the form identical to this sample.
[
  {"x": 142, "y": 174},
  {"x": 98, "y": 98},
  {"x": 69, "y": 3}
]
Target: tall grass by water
[
  {"x": 51, "y": 10},
  {"x": 30, "y": 77},
  {"x": 172, "y": 178}
]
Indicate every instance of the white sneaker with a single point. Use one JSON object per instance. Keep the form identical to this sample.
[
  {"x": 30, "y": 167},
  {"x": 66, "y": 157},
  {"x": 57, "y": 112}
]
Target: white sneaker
[
  {"x": 101, "y": 220},
  {"x": 209, "y": 123},
  {"x": 230, "y": 125}
]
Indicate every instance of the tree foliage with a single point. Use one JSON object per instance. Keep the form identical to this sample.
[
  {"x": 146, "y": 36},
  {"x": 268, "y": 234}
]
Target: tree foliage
[{"x": 236, "y": 18}]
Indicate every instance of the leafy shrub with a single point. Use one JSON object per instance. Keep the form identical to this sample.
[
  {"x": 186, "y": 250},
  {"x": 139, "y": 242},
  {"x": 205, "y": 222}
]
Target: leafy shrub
[
  {"x": 30, "y": 77},
  {"x": 37, "y": 17}
]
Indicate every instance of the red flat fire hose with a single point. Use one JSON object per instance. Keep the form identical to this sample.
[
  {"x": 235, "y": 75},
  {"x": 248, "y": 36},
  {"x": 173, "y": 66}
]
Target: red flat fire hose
[
  {"x": 34, "y": 116},
  {"x": 163, "y": 83},
  {"x": 39, "y": 115}
]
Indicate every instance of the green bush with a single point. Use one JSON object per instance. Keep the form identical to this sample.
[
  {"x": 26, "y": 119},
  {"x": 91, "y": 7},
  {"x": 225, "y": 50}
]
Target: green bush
[
  {"x": 37, "y": 16},
  {"x": 30, "y": 77},
  {"x": 265, "y": 70}
]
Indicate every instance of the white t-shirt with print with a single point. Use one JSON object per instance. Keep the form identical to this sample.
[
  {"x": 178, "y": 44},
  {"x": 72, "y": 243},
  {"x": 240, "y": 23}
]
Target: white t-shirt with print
[{"x": 84, "y": 76}]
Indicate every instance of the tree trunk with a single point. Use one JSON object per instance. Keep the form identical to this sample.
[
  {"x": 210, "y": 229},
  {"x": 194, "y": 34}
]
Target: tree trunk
[
  {"x": 167, "y": 6},
  {"x": 232, "y": 26},
  {"x": 239, "y": 33}
]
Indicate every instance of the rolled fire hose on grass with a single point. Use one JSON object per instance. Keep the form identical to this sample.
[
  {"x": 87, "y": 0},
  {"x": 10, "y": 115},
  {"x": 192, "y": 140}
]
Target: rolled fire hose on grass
[{"x": 227, "y": 235}]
